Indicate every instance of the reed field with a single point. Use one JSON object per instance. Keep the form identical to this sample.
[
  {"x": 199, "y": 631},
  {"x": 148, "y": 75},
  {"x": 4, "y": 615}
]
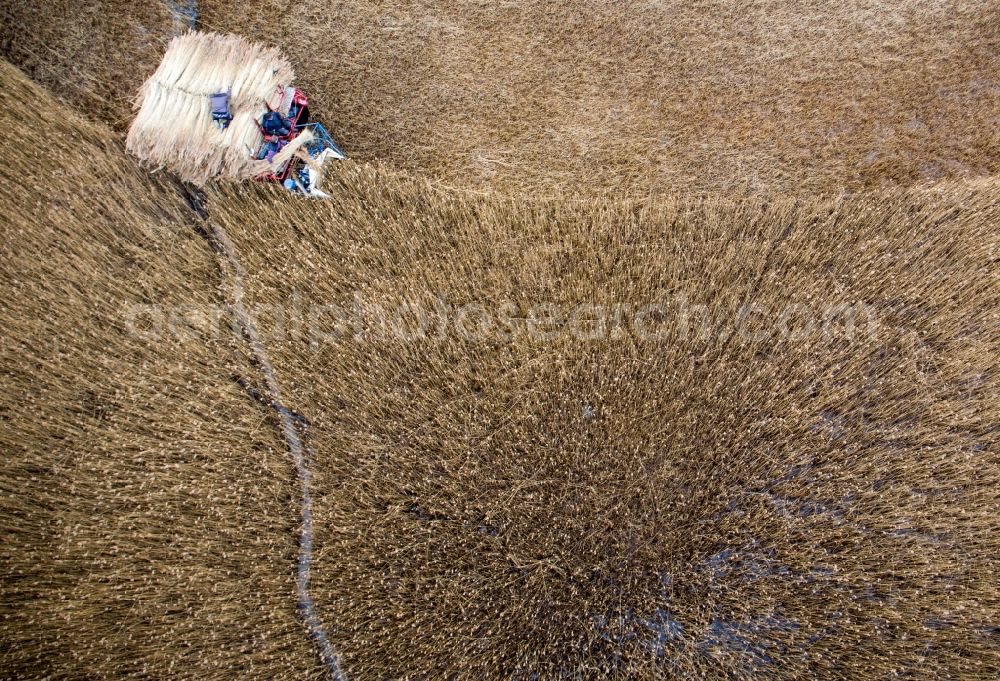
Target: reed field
[
  {"x": 93, "y": 55},
  {"x": 638, "y": 341}
]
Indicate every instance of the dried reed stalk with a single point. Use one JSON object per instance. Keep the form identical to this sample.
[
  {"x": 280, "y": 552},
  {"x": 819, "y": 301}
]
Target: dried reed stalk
[{"x": 287, "y": 152}]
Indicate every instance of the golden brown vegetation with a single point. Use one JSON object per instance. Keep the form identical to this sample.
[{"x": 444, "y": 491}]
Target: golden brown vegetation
[
  {"x": 818, "y": 506},
  {"x": 147, "y": 517},
  {"x": 655, "y": 96},
  {"x": 724, "y": 506}
]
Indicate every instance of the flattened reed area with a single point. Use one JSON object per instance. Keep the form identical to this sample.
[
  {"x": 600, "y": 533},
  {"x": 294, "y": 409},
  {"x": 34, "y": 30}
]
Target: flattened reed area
[
  {"x": 758, "y": 498},
  {"x": 654, "y": 96},
  {"x": 93, "y": 54}
]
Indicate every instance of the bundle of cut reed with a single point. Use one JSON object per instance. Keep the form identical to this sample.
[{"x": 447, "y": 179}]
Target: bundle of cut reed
[{"x": 174, "y": 127}]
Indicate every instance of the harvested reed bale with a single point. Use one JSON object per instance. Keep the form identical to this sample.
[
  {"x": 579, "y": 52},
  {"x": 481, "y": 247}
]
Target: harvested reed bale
[
  {"x": 711, "y": 489},
  {"x": 174, "y": 129},
  {"x": 131, "y": 462}
]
